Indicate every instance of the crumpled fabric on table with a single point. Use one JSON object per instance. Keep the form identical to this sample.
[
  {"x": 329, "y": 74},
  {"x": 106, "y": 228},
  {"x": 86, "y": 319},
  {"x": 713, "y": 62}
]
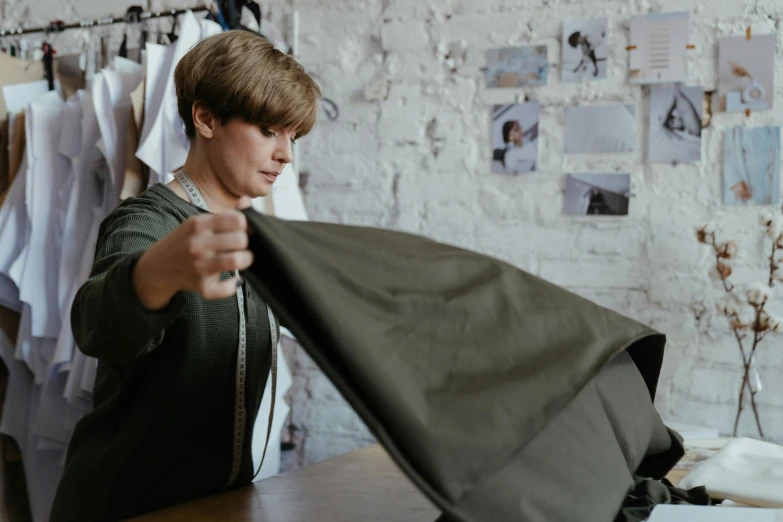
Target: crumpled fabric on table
[{"x": 647, "y": 493}]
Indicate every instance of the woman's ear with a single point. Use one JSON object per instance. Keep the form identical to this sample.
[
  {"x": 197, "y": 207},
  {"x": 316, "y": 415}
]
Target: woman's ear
[{"x": 203, "y": 121}]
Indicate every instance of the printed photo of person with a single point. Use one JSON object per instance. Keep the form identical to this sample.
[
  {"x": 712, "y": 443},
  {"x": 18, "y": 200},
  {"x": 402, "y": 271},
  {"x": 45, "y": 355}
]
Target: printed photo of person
[
  {"x": 597, "y": 195},
  {"x": 515, "y": 138},
  {"x": 675, "y": 123},
  {"x": 585, "y": 49}
]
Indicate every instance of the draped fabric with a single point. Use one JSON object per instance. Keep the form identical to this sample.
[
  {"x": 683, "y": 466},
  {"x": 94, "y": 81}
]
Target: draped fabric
[{"x": 502, "y": 396}]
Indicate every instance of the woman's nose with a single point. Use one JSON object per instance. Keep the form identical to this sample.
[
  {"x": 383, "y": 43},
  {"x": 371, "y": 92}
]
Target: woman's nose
[{"x": 284, "y": 152}]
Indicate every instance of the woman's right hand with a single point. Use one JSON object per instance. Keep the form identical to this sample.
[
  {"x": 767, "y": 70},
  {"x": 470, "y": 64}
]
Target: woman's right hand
[{"x": 192, "y": 257}]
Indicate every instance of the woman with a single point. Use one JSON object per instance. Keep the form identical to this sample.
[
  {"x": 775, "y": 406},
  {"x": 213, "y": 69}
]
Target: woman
[
  {"x": 518, "y": 156},
  {"x": 184, "y": 347}
]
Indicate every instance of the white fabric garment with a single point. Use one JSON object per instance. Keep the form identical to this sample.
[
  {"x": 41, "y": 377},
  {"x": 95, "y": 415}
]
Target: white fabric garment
[
  {"x": 42, "y": 468},
  {"x": 15, "y": 228},
  {"x": 164, "y": 146},
  {"x": 45, "y": 172},
  {"x": 521, "y": 159},
  {"x": 70, "y": 148},
  {"x": 111, "y": 95},
  {"x": 271, "y": 465},
  {"x": 157, "y": 67},
  {"x": 744, "y": 470},
  {"x": 79, "y": 216},
  {"x": 18, "y": 95}
]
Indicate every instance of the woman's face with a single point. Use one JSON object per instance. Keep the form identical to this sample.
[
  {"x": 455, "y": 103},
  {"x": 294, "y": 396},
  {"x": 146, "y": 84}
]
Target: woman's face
[
  {"x": 247, "y": 159},
  {"x": 516, "y": 135}
]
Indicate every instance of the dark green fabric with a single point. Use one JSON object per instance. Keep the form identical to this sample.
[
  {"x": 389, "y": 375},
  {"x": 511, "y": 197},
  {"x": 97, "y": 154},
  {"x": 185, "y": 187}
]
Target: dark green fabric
[
  {"x": 161, "y": 431},
  {"x": 459, "y": 364},
  {"x": 647, "y": 493}
]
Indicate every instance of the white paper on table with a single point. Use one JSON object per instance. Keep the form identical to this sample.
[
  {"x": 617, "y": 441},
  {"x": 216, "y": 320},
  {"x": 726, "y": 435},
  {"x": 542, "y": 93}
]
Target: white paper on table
[
  {"x": 681, "y": 513},
  {"x": 745, "y": 470}
]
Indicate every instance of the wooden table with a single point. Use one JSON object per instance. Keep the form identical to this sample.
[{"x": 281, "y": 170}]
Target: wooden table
[{"x": 362, "y": 486}]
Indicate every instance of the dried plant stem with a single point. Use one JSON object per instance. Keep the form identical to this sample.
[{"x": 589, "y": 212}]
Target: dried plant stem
[
  {"x": 746, "y": 378},
  {"x": 747, "y": 361}
]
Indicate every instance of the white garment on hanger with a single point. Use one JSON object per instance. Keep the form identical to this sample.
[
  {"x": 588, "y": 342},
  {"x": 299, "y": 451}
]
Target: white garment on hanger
[
  {"x": 18, "y": 96},
  {"x": 158, "y": 65},
  {"x": 111, "y": 95},
  {"x": 44, "y": 176},
  {"x": 15, "y": 227},
  {"x": 745, "y": 470},
  {"x": 165, "y": 147},
  {"x": 70, "y": 148},
  {"x": 42, "y": 468}
]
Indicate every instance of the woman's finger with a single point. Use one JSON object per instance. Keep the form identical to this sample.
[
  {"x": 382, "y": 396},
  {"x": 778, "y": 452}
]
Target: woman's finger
[
  {"x": 216, "y": 289},
  {"x": 224, "y": 242},
  {"x": 227, "y": 262},
  {"x": 228, "y": 222}
]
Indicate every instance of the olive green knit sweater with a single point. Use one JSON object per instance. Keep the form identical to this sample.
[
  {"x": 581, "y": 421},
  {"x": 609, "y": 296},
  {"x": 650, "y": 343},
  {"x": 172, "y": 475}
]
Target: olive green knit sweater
[{"x": 161, "y": 431}]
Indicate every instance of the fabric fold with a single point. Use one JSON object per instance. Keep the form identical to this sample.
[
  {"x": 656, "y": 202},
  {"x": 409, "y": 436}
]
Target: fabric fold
[{"x": 455, "y": 361}]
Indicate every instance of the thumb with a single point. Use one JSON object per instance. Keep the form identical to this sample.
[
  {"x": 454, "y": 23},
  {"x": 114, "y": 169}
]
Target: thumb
[{"x": 243, "y": 203}]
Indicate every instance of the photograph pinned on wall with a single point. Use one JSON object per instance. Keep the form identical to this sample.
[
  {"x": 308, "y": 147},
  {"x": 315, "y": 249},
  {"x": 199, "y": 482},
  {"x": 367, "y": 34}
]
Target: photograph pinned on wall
[
  {"x": 751, "y": 166},
  {"x": 657, "y": 48},
  {"x": 585, "y": 49},
  {"x": 600, "y": 128},
  {"x": 597, "y": 194},
  {"x": 517, "y": 67},
  {"x": 746, "y": 71},
  {"x": 515, "y": 138},
  {"x": 675, "y": 123}
]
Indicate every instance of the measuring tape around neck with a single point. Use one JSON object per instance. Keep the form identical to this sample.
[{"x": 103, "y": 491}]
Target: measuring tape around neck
[{"x": 240, "y": 414}]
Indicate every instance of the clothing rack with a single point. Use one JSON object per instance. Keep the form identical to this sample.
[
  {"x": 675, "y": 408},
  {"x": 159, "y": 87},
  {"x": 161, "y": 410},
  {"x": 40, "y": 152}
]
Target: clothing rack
[{"x": 131, "y": 17}]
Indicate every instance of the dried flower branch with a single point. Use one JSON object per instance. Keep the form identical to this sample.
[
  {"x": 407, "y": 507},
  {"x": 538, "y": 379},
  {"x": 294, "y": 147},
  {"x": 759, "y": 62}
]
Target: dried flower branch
[
  {"x": 739, "y": 70},
  {"x": 747, "y": 316}
]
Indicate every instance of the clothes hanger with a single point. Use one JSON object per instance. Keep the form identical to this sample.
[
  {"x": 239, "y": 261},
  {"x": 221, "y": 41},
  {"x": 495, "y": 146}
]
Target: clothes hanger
[
  {"x": 48, "y": 50},
  {"x": 123, "y": 52},
  {"x": 174, "y": 27},
  {"x": 48, "y": 62},
  {"x": 131, "y": 18},
  {"x": 145, "y": 31},
  {"x": 216, "y": 14}
]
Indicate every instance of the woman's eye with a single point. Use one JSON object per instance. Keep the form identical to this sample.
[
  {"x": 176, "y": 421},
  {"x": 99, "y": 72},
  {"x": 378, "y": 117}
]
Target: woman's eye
[
  {"x": 268, "y": 133},
  {"x": 293, "y": 142}
]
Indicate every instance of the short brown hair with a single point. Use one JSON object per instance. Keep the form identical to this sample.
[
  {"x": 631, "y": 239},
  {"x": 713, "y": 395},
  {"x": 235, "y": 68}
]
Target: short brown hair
[{"x": 239, "y": 74}]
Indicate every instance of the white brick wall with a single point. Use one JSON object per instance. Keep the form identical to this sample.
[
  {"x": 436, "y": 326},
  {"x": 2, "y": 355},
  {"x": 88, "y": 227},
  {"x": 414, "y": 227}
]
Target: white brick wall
[
  {"x": 647, "y": 265},
  {"x": 417, "y": 158}
]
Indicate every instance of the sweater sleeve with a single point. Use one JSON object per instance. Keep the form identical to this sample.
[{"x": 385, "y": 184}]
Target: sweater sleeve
[{"x": 108, "y": 320}]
